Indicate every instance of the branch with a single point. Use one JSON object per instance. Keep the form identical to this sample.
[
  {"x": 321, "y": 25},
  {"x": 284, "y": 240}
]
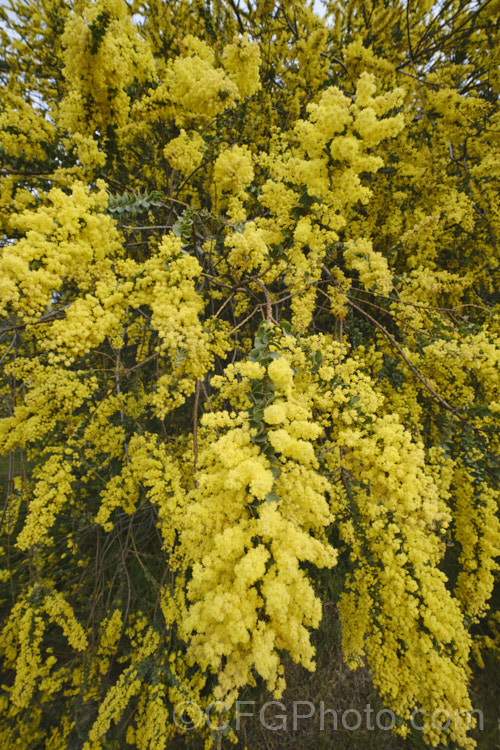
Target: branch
[
  {"x": 10, "y": 347},
  {"x": 412, "y": 368},
  {"x": 195, "y": 431},
  {"x": 269, "y": 311},
  {"x": 56, "y": 315},
  {"x": 334, "y": 59}
]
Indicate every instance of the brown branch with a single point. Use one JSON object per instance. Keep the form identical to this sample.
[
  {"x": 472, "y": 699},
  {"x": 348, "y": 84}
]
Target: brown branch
[
  {"x": 10, "y": 487},
  {"x": 195, "y": 431},
  {"x": 396, "y": 317},
  {"x": 57, "y": 314},
  {"x": 334, "y": 59},
  {"x": 295, "y": 32},
  {"x": 226, "y": 302},
  {"x": 10, "y": 347},
  {"x": 405, "y": 358},
  {"x": 203, "y": 164},
  {"x": 414, "y": 304},
  {"x": 435, "y": 86},
  {"x": 410, "y": 49},
  {"x": 38, "y": 175},
  {"x": 236, "y": 10},
  {"x": 269, "y": 311},
  {"x": 244, "y": 320}
]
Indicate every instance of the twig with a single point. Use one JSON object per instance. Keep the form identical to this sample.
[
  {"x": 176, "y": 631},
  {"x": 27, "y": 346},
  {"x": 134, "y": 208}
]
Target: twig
[
  {"x": 219, "y": 733},
  {"x": 410, "y": 49},
  {"x": 412, "y": 368},
  {"x": 295, "y": 32},
  {"x": 413, "y": 304},
  {"x": 55, "y": 315},
  {"x": 237, "y": 14},
  {"x": 269, "y": 310},
  {"x": 38, "y": 175},
  {"x": 10, "y": 347},
  {"x": 10, "y": 485},
  {"x": 195, "y": 431},
  {"x": 179, "y": 189},
  {"x": 334, "y": 59},
  {"x": 226, "y": 302},
  {"x": 395, "y": 317},
  {"x": 244, "y": 320}
]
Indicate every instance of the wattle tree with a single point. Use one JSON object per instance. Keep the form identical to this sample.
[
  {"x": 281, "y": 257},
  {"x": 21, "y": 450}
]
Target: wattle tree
[{"x": 249, "y": 287}]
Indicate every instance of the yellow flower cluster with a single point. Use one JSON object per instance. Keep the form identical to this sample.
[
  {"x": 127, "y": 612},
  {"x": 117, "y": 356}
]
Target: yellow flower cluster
[
  {"x": 166, "y": 283},
  {"x": 177, "y": 439},
  {"x": 329, "y": 151},
  {"x": 372, "y": 267},
  {"x": 241, "y": 59},
  {"x": 233, "y": 172},
  {"x": 397, "y": 583},
  {"x": 54, "y": 394},
  {"x": 248, "y": 248},
  {"x": 149, "y": 467},
  {"x": 69, "y": 238},
  {"x": 51, "y": 493},
  {"x": 61, "y": 613},
  {"x": 185, "y": 152},
  {"x": 478, "y": 533},
  {"x": 153, "y": 726},
  {"x": 197, "y": 90},
  {"x": 110, "y": 631},
  {"x": 127, "y": 687},
  {"x": 22, "y": 644},
  {"x": 21, "y": 639},
  {"x": 248, "y": 598},
  {"x": 103, "y": 56},
  {"x": 22, "y": 128}
]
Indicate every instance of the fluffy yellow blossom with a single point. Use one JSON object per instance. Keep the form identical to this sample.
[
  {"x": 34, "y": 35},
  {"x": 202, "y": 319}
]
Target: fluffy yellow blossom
[
  {"x": 233, "y": 170},
  {"x": 103, "y": 56},
  {"x": 241, "y": 60},
  {"x": 185, "y": 152},
  {"x": 281, "y": 374},
  {"x": 478, "y": 533},
  {"x": 51, "y": 494},
  {"x": 60, "y": 612},
  {"x": 198, "y": 90},
  {"x": 22, "y": 128},
  {"x": 66, "y": 237},
  {"x": 275, "y": 414},
  {"x": 249, "y": 286},
  {"x": 248, "y": 248},
  {"x": 372, "y": 267},
  {"x": 117, "y": 699},
  {"x": 223, "y": 617}
]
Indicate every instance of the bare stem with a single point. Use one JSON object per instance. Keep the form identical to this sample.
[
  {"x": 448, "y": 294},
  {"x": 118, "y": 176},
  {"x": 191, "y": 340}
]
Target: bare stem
[{"x": 195, "y": 430}]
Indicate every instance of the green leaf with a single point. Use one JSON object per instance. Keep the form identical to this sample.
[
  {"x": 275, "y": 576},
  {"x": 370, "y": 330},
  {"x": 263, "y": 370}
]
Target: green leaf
[
  {"x": 258, "y": 414},
  {"x": 259, "y": 438},
  {"x": 255, "y": 354},
  {"x": 258, "y": 427},
  {"x": 272, "y": 497}
]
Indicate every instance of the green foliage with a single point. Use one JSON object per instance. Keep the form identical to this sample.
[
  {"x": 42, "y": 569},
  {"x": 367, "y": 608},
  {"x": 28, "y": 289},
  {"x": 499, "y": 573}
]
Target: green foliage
[{"x": 134, "y": 203}]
